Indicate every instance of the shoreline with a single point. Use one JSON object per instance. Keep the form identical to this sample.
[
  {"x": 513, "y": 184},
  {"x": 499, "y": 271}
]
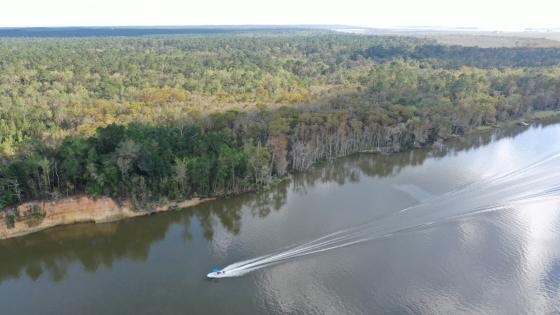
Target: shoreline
[
  {"x": 35, "y": 216},
  {"x": 39, "y": 215},
  {"x": 531, "y": 117}
]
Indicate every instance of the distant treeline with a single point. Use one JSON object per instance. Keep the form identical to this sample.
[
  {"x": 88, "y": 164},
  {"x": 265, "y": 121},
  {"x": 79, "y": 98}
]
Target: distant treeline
[
  {"x": 147, "y": 119},
  {"x": 131, "y": 31},
  {"x": 457, "y": 56}
]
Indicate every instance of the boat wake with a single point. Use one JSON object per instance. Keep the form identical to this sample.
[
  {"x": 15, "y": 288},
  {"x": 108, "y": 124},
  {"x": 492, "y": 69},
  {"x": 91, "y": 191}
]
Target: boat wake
[{"x": 536, "y": 182}]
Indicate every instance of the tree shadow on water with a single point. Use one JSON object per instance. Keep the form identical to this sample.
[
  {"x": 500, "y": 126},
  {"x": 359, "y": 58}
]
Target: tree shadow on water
[{"x": 53, "y": 251}]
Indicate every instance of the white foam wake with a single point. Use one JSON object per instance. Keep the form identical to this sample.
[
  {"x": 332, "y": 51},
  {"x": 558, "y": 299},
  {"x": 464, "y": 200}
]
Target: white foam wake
[{"x": 535, "y": 182}]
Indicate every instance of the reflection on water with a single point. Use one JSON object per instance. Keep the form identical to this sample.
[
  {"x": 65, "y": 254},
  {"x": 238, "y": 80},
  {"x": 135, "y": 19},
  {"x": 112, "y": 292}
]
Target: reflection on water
[
  {"x": 95, "y": 245},
  {"x": 513, "y": 265},
  {"x": 53, "y": 250}
]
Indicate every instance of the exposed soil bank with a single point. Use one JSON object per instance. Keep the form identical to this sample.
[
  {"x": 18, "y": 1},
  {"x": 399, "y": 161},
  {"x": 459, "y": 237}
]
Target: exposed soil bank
[
  {"x": 39, "y": 215},
  {"x": 35, "y": 216}
]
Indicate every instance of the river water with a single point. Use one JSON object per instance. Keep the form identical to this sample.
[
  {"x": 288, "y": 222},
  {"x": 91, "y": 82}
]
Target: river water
[{"x": 471, "y": 226}]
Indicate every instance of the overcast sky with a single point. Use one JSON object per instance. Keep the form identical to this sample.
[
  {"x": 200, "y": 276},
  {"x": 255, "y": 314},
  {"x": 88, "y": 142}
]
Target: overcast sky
[{"x": 487, "y": 14}]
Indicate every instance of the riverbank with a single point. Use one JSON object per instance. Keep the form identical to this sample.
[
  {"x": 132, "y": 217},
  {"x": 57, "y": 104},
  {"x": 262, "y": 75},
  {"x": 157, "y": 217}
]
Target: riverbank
[
  {"x": 36, "y": 216},
  {"x": 531, "y": 117},
  {"x": 155, "y": 263},
  {"x": 31, "y": 217}
]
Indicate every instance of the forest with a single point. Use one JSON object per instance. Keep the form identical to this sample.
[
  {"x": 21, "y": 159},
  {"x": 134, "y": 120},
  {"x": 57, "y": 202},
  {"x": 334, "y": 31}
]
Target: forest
[{"x": 171, "y": 117}]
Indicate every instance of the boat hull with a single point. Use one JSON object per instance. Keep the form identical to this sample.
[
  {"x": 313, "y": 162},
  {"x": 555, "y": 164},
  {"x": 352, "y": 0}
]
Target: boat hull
[{"x": 215, "y": 275}]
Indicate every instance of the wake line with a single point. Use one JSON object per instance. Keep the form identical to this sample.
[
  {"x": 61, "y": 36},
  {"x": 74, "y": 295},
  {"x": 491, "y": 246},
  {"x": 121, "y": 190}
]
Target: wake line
[
  {"x": 496, "y": 179},
  {"x": 533, "y": 183}
]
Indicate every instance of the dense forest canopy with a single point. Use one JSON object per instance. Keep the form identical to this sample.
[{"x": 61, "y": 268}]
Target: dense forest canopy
[
  {"x": 457, "y": 56},
  {"x": 171, "y": 117}
]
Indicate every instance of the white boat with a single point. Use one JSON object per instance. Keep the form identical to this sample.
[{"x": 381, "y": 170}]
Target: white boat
[{"x": 216, "y": 274}]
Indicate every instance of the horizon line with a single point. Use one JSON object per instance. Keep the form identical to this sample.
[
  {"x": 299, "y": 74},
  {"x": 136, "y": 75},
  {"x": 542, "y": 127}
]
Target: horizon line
[{"x": 323, "y": 25}]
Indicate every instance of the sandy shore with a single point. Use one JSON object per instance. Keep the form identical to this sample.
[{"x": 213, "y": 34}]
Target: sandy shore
[{"x": 78, "y": 209}]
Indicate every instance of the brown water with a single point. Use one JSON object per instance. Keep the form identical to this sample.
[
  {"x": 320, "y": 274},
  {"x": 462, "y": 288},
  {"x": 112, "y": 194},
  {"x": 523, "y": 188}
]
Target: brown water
[{"x": 481, "y": 234}]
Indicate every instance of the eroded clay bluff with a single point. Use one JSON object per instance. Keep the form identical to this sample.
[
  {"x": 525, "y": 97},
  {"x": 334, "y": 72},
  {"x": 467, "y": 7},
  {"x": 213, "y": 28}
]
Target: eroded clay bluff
[{"x": 36, "y": 216}]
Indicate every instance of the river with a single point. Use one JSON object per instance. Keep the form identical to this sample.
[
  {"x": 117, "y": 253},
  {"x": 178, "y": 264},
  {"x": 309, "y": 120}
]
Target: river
[{"x": 470, "y": 226}]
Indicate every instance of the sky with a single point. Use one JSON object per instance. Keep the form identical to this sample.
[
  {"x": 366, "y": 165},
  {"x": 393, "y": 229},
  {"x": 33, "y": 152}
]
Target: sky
[{"x": 485, "y": 14}]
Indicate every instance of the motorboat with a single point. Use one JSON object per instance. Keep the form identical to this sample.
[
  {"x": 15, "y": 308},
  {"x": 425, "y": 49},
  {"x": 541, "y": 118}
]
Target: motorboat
[{"x": 216, "y": 274}]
